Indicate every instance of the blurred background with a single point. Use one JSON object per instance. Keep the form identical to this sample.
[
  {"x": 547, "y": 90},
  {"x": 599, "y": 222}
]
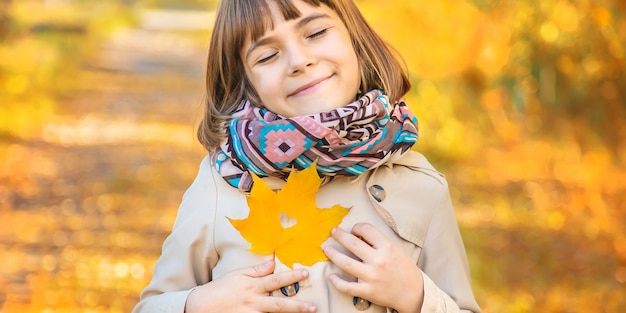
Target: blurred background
[{"x": 522, "y": 104}]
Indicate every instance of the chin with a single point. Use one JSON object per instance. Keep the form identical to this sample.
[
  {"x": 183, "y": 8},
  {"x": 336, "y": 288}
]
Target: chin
[{"x": 316, "y": 105}]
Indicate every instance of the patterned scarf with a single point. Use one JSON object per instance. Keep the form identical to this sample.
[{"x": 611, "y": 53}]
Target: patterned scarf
[{"x": 345, "y": 142}]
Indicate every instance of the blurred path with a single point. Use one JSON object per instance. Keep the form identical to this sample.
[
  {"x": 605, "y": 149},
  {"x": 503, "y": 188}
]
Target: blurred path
[
  {"x": 85, "y": 208},
  {"x": 86, "y": 204}
]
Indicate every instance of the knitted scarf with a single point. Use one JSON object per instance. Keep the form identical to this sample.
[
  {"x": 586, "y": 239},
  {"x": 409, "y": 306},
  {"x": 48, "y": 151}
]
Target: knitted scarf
[{"x": 345, "y": 142}]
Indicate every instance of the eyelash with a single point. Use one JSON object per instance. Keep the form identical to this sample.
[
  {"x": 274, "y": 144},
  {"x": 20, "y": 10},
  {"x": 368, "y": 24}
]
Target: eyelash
[
  {"x": 312, "y": 36},
  {"x": 318, "y": 34},
  {"x": 266, "y": 59}
]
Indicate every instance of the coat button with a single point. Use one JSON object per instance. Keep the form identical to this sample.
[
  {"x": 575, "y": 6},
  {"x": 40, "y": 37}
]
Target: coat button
[
  {"x": 291, "y": 290},
  {"x": 378, "y": 192},
  {"x": 361, "y": 304}
]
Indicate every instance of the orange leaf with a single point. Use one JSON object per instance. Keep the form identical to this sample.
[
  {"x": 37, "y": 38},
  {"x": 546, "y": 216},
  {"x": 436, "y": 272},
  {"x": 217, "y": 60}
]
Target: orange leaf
[{"x": 297, "y": 243}]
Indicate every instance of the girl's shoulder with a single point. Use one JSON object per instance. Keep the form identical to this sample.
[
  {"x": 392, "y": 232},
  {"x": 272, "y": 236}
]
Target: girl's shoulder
[
  {"x": 198, "y": 201},
  {"x": 205, "y": 179},
  {"x": 419, "y": 163},
  {"x": 413, "y": 166}
]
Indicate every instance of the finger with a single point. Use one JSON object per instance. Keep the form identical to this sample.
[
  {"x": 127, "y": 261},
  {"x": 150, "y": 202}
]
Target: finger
[
  {"x": 277, "y": 304},
  {"x": 258, "y": 270},
  {"x": 353, "y": 243},
  {"x": 349, "y": 265},
  {"x": 347, "y": 287},
  {"x": 369, "y": 234},
  {"x": 282, "y": 279}
]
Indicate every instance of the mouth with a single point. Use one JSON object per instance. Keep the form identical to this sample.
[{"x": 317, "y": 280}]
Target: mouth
[{"x": 309, "y": 87}]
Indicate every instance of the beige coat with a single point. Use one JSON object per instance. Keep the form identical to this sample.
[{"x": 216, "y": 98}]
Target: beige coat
[{"x": 414, "y": 210}]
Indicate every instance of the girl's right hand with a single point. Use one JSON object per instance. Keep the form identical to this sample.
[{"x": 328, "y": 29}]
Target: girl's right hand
[{"x": 248, "y": 290}]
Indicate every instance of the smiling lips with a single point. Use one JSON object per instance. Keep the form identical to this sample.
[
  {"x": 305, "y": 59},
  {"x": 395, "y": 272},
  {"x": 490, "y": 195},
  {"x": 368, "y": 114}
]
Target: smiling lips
[{"x": 310, "y": 87}]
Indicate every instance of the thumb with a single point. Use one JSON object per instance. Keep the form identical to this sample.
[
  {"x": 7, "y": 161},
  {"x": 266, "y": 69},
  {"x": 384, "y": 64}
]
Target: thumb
[{"x": 260, "y": 270}]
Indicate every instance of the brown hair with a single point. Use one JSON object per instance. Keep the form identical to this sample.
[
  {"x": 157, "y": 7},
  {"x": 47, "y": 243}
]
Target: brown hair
[{"x": 238, "y": 20}]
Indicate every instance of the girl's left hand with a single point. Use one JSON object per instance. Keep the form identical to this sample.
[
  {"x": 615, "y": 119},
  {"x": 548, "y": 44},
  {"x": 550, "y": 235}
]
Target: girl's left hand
[{"x": 385, "y": 274}]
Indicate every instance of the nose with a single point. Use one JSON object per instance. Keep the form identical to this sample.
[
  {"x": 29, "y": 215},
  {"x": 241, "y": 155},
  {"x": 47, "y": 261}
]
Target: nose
[{"x": 301, "y": 57}]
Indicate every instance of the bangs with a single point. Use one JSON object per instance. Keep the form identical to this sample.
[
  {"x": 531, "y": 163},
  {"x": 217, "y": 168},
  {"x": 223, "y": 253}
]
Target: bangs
[
  {"x": 255, "y": 16},
  {"x": 239, "y": 21}
]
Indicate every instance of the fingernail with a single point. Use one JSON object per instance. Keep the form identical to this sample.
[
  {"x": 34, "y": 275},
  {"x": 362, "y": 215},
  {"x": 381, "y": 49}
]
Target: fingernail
[
  {"x": 332, "y": 277},
  {"x": 333, "y": 231},
  {"x": 305, "y": 273},
  {"x": 268, "y": 263},
  {"x": 312, "y": 308}
]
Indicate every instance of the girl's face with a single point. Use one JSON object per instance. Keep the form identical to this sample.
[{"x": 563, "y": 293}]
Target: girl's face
[{"x": 305, "y": 65}]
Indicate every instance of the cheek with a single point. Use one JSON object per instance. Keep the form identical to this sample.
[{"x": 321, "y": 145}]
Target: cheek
[
  {"x": 267, "y": 89},
  {"x": 351, "y": 62},
  {"x": 259, "y": 81},
  {"x": 357, "y": 74}
]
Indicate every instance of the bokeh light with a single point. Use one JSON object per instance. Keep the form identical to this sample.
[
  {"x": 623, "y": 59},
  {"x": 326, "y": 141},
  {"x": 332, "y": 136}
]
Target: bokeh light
[{"x": 522, "y": 104}]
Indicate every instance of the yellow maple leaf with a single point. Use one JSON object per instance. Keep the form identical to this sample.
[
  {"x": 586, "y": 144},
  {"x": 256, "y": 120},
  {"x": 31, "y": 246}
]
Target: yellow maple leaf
[{"x": 299, "y": 242}]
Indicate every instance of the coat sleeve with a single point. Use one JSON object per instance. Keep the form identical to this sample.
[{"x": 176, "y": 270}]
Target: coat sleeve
[
  {"x": 447, "y": 283},
  {"x": 188, "y": 253}
]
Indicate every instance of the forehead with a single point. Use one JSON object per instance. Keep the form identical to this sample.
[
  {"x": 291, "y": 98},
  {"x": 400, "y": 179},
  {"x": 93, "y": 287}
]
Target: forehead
[{"x": 258, "y": 18}]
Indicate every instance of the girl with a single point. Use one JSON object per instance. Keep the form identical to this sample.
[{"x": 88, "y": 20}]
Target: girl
[{"x": 290, "y": 82}]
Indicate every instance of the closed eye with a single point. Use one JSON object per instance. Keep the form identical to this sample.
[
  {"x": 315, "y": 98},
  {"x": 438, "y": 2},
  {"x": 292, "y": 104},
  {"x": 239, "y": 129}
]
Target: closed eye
[
  {"x": 318, "y": 34},
  {"x": 266, "y": 59}
]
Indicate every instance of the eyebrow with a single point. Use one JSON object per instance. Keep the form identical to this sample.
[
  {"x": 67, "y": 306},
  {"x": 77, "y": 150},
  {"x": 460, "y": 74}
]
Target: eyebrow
[{"x": 301, "y": 23}]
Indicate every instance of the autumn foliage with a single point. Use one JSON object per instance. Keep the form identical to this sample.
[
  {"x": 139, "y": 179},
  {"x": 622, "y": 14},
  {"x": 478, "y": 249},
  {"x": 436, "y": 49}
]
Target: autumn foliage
[
  {"x": 288, "y": 223},
  {"x": 521, "y": 104}
]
